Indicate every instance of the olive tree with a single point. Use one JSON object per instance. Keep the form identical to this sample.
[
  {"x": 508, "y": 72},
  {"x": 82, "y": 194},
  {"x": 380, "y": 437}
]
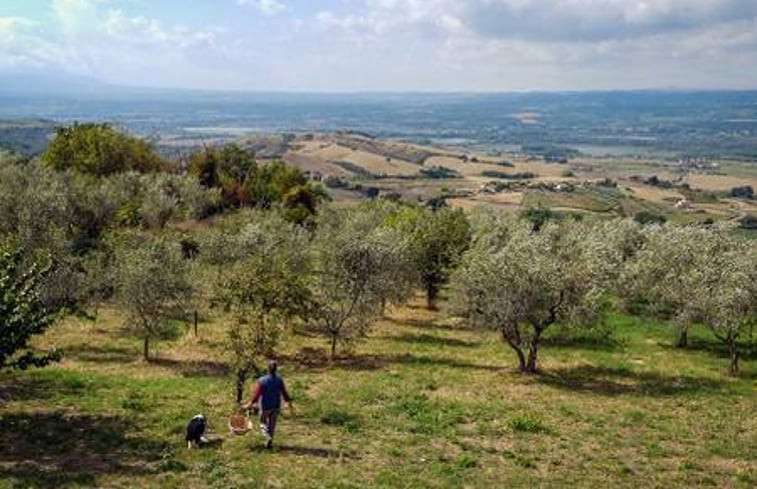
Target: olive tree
[
  {"x": 264, "y": 291},
  {"x": 355, "y": 263},
  {"x": 22, "y": 312},
  {"x": 152, "y": 287},
  {"x": 38, "y": 212},
  {"x": 524, "y": 282},
  {"x": 666, "y": 274},
  {"x": 697, "y": 275},
  {"x": 728, "y": 298},
  {"x": 437, "y": 240},
  {"x": 164, "y": 196}
]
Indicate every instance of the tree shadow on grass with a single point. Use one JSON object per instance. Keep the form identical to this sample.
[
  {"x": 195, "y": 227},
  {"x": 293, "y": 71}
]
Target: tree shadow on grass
[
  {"x": 585, "y": 343},
  {"x": 58, "y": 449},
  {"x": 408, "y": 359},
  {"x": 194, "y": 368},
  {"x": 427, "y": 324},
  {"x": 185, "y": 368},
  {"x": 618, "y": 381},
  {"x": 318, "y": 358},
  {"x": 101, "y": 354},
  {"x": 310, "y": 358},
  {"x": 26, "y": 388},
  {"x": 427, "y": 339},
  {"x": 715, "y": 348}
]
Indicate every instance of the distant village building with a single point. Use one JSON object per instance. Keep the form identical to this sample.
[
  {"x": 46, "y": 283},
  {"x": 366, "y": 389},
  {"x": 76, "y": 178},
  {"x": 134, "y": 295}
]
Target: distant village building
[{"x": 695, "y": 164}]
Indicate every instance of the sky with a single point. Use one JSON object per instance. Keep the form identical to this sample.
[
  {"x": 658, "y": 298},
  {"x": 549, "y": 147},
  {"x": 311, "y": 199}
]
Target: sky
[{"x": 386, "y": 45}]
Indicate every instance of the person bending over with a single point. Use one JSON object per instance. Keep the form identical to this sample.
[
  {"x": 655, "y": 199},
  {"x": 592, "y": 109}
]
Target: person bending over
[{"x": 268, "y": 393}]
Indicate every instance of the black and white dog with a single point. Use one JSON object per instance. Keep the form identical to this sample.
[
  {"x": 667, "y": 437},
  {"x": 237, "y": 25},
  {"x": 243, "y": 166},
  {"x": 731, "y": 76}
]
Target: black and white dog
[{"x": 196, "y": 430}]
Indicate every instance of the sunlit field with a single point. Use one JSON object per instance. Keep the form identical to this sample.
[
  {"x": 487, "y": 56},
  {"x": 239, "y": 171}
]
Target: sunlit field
[{"x": 423, "y": 402}]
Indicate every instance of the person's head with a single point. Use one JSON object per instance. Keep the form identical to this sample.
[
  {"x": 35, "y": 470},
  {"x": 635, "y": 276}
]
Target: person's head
[{"x": 272, "y": 367}]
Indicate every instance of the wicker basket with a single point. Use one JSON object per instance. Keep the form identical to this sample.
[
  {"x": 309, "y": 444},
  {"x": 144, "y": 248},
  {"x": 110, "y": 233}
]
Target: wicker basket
[{"x": 239, "y": 424}]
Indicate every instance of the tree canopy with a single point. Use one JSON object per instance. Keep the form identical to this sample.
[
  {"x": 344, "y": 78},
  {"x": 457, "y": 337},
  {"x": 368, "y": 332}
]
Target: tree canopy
[
  {"x": 528, "y": 281},
  {"x": 99, "y": 149},
  {"x": 22, "y": 312},
  {"x": 152, "y": 287},
  {"x": 356, "y": 261}
]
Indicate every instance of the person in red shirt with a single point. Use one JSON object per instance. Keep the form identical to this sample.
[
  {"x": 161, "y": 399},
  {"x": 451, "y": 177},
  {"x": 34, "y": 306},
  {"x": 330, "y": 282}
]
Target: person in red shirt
[{"x": 269, "y": 391}]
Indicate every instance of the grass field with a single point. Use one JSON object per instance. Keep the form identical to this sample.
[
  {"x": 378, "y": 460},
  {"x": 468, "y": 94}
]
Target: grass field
[{"x": 422, "y": 403}]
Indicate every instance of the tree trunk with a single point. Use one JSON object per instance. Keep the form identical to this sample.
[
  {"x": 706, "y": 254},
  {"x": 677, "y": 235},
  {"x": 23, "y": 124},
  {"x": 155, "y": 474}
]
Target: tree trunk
[
  {"x": 432, "y": 293},
  {"x": 733, "y": 348},
  {"x": 533, "y": 353},
  {"x": 241, "y": 379},
  {"x": 195, "y": 320},
  {"x": 531, "y": 366},
  {"x": 683, "y": 337},
  {"x": 518, "y": 351},
  {"x": 146, "y": 349},
  {"x": 333, "y": 348}
]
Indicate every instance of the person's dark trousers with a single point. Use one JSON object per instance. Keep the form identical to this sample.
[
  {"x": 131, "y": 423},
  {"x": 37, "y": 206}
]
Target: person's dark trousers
[{"x": 268, "y": 422}]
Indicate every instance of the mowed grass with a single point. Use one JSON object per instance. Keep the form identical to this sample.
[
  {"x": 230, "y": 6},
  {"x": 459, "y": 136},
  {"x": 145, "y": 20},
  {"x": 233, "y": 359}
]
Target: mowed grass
[{"x": 423, "y": 402}]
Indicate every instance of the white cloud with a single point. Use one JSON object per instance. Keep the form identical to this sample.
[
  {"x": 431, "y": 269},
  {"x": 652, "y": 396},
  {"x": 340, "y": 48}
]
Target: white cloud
[
  {"x": 143, "y": 30},
  {"x": 267, "y": 7},
  {"x": 546, "y": 20},
  {"x": 401, "y": 44},
  {"x": 22, "y": 47},
  {"x": 545, "y": 44}
]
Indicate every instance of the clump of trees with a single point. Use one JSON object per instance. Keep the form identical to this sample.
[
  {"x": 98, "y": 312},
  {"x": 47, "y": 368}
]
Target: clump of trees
[
  {"x": 69, "y": 217},
  {"x": 99, "y": 150},
  {"x": 245, "y": 183},
  {"x": 647, "y": 217},
  {"x": 690, "y": 275},
  {"x": 437, "y": 239},
  {"x": 743, "y": 192}
]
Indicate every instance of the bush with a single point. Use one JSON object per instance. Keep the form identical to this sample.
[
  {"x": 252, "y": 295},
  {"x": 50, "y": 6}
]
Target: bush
[
  {"x": 438, "y": 173},
  {"x": 745, "y": 192},
  {"x": 748, "y": 222},
  {"x": 508, "y": 176},
  {"x": 537, "y": 216},
  {"x": 646, "y": 218}
]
